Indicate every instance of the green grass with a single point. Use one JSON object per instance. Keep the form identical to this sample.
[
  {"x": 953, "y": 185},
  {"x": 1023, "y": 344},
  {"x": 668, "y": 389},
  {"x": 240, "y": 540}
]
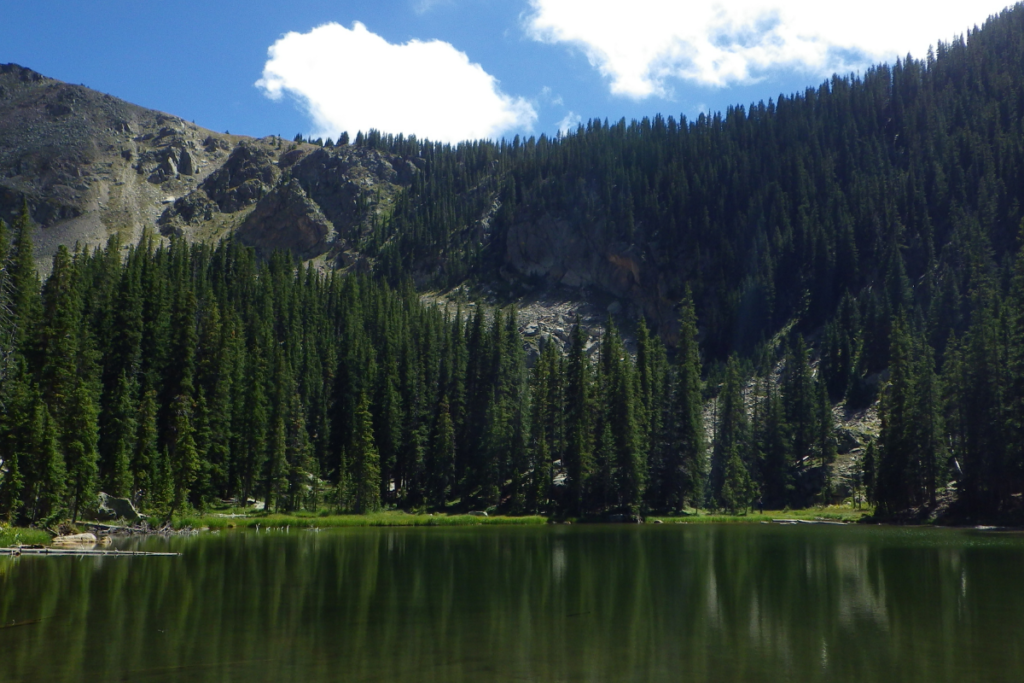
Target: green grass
[
  {"x": 10, "y": 536},
  {"x": 247, "y": 519},
  {"x": 834, "y": 513},
  {"x": 311, "y": 520}
]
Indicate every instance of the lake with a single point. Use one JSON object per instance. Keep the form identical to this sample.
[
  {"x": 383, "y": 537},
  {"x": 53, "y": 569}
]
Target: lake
[{"x": 552, "y": 603}]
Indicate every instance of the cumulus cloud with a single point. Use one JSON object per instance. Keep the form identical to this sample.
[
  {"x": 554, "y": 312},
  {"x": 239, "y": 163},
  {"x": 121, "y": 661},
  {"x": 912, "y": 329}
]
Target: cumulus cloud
[
  {"x": 569, "y": 123},
  {"x": 641, "y": 46},
  {"x": 352, "y": 80}
]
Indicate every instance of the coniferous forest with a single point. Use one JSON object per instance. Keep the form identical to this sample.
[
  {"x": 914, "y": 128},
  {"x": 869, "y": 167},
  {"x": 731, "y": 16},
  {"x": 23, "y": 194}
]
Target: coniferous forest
[{"x": 873, "y": 225}]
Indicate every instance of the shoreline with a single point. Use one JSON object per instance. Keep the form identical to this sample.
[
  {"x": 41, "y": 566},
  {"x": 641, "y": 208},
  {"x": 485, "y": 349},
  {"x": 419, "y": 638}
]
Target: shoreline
[{"x": 13, "y": 536}]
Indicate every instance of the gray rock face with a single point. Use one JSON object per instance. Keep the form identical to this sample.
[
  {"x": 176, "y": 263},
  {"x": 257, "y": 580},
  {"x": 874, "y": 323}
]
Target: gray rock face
[
  {"x": 558, "y": 251},
  {"x": 185, "y": 164},
  {"x": 288, "y": 219},
  {"x": 194, "y": 207},
  {"x": 245, "y": 178},
  {"x": 117, "y": 508},
  {"x": 168, "y": 167},
  {"x": 337, "y": 178}
]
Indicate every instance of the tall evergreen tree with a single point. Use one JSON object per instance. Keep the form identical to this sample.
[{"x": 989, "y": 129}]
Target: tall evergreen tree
[
  {"x": 685, "y": 449},
  {"x": 731, "y": 486},
  {"x": 365, "y": 462},
  {"x": 578, "y": 421}
]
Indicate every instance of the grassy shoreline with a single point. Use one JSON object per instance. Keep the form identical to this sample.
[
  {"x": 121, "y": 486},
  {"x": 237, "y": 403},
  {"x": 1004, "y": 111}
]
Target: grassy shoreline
[
  {"x": 10, "y": 536},
  {"x": 379, "y": 519},
  {"x": 835, "y": 513},
  {"x": 398, "y": 518}
]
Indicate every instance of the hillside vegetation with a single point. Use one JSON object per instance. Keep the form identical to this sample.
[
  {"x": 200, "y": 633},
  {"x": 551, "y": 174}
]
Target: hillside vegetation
[{"x": 859, "y": 242}]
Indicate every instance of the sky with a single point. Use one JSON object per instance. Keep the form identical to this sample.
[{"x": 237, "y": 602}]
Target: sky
[{"x": 454, "y": 70}]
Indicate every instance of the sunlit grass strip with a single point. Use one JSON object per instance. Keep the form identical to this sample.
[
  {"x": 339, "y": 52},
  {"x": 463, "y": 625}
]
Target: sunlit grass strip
[
  {"x": 829, "y": 514},
  {"x": 394, "y": 519},
  {"x": 11, "y": 536}
]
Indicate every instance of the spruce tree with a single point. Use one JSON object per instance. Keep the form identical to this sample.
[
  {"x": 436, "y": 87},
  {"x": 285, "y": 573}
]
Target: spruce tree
[
  {"x": 894, "y": 487},
  {"x": 686, "y": 450},
  {"x": 731, "y": 486},
  {"x": 146, "y": 455},
  {"x": 442, "y": 456},
  {"x": 365, "y": 461},
  {"x": 122, "y": 431},
  {"x": 776, "y": 451},
  {"x": 182, "y": 454},
  {"x": 578, "y": 422}
]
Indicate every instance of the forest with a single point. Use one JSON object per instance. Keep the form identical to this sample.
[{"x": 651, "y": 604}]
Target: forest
[
  {"x": 180, "y": 375},
  {"x": 857, "y": 242}
]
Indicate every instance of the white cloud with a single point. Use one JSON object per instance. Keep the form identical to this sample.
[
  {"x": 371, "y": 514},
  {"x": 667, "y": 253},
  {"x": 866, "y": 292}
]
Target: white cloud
[
  {"x": 641, "y": 46},
  {"x": 547, "y": 94},
  {"x": 569, "y": 123},
  {"x": 352, "y": 80}
]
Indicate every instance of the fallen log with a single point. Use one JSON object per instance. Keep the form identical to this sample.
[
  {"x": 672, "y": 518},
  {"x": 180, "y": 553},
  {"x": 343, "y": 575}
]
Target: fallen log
[
  {"x": 82, "y": 552},
  {"x": 20, "y": 623}
]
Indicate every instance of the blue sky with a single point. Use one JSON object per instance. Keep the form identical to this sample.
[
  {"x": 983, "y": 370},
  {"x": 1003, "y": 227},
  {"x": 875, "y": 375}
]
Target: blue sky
[{"x": 457, "y": 69}]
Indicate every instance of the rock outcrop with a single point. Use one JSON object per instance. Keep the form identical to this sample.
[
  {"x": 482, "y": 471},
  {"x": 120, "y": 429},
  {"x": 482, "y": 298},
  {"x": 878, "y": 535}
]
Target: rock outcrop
[
  {"x": 348, "y": 182},
  {"x": 557, "y": 251},
  {"x": 245, "y": 178},
  {"x": 288, "y": 219},
  {"x": 112, "y": 507},
  {"x": 90, "y": 165}
]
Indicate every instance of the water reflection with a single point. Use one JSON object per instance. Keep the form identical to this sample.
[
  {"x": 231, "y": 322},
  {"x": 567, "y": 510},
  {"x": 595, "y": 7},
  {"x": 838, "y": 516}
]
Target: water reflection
[{"x": 544, "y": 604}]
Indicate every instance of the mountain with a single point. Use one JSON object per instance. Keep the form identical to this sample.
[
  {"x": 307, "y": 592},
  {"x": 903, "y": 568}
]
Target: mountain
[
  {"x": 90, "y": 166},
  {"x": 851, "y": 250},
  {"x": 885, "y": 187}
]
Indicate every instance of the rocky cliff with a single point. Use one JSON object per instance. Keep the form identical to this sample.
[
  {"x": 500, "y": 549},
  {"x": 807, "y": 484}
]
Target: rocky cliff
[{"x": 89, "y": 165}]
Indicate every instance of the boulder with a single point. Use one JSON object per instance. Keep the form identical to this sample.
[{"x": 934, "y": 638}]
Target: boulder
[
  {"x": 185, "y": 164},
  {"x": 169, "y": 167},
  {"x": 74, "y": 541},
  {"x": 111, "y": 507}
]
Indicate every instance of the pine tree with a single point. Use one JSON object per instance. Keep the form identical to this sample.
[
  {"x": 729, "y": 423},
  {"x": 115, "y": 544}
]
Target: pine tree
[
  {"x": 776, "y": 451},
  {"x": 253, "y": 428},
  {"x": 276, "y": 466},
  {"x": 929, "y": 428},
  {"x": 894, "y": 486},
  {"x": 145, "y": 458},
  {"x": 25, "y": 304},
  {"x": 297, "y": 453},
  {"x": 868, "y": 472},
  {"x": 365, "y": 461},
  {"x": 731, "y": 486},
  {"x": 442, "y": 456},
  {"x": 122, "y": 431},
  {"x": 621, "y": 415},
  {"x": 686, "y": 449},
  {"x": 578, "y": 423},
  {"x": 80, "y": 439},
  {"x": 182, "y": 455},
  {"x": 802, "y": 402},
  {"x": 46, "y": 493}
]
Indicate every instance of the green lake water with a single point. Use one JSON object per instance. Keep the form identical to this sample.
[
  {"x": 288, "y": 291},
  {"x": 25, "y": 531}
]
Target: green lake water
[{"x": 556, "y": 603}]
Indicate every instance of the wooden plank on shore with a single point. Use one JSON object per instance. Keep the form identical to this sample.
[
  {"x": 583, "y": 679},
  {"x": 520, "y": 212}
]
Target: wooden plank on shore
[{"x": 82, "y": 552}]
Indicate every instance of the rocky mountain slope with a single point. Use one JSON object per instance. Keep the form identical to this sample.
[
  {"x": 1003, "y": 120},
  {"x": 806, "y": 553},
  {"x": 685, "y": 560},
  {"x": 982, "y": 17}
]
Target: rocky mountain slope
[{"x": 89, "y": 166}]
